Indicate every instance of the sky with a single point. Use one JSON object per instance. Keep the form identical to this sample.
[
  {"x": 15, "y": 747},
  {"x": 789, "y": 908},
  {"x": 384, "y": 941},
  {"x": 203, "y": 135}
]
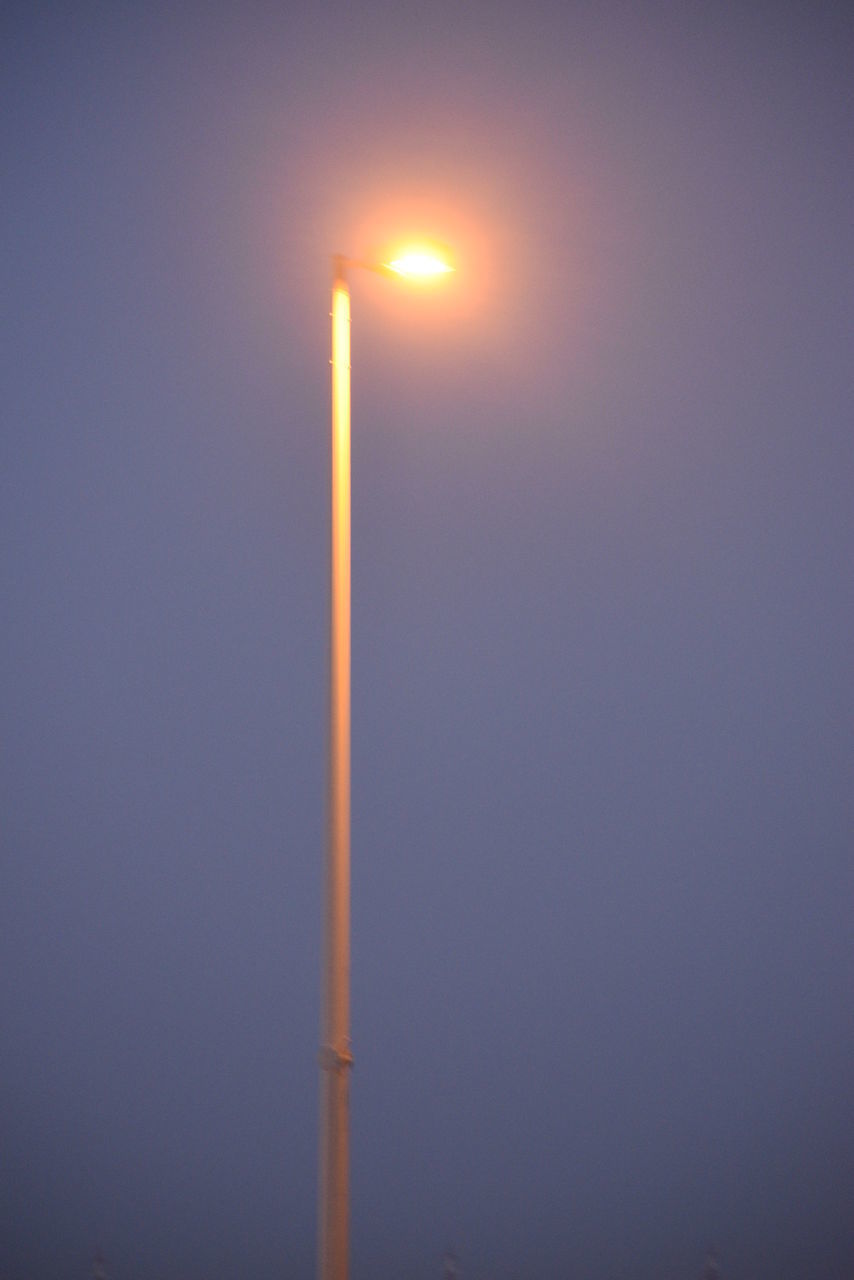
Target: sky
[{"x": 602, "y": 631}]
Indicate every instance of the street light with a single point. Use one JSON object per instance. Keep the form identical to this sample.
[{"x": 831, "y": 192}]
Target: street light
[{"x": 336, "y": 1058}]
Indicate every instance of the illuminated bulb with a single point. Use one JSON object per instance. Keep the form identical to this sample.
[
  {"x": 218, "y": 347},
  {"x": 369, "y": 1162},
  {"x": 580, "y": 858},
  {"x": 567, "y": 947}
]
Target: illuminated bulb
[{"x": 419, "y": 264}]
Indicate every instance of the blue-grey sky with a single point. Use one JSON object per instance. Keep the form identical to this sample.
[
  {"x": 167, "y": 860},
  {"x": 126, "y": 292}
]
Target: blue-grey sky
[{"x": 602, "y": 688}]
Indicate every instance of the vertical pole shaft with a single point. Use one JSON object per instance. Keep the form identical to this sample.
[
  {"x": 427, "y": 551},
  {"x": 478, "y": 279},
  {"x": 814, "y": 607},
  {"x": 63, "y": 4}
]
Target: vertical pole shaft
[{"x": 335, "y": 1055}]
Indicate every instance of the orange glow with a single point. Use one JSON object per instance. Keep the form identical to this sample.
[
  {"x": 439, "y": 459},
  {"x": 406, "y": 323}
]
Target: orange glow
[
  {"x": 420, "y": 264},
  {"x": 386, "y": 222}
]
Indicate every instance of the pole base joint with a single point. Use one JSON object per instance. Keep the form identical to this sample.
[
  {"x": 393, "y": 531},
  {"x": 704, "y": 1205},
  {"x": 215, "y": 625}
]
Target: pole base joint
[{"x": 335, "y": 1059}]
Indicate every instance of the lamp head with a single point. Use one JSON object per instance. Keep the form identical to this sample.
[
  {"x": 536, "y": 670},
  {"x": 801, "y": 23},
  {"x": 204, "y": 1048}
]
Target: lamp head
[{"x": 419, "y": 264}]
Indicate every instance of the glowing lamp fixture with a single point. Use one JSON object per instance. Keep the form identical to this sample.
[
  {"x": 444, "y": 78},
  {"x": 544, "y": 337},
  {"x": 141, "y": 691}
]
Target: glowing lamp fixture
[{"x": 418, "y": 264}]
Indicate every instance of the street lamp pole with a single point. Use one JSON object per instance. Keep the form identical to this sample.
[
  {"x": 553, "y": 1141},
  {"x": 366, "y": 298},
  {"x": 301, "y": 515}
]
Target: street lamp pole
[{"x": 335, "y": 1056}]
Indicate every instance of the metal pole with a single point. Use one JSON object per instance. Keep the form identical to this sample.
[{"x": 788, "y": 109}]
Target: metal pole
[{"x": 335, "y": 1056}]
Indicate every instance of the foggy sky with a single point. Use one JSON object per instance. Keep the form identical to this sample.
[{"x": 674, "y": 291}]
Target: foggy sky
[{"x": 602, "y": 627}]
